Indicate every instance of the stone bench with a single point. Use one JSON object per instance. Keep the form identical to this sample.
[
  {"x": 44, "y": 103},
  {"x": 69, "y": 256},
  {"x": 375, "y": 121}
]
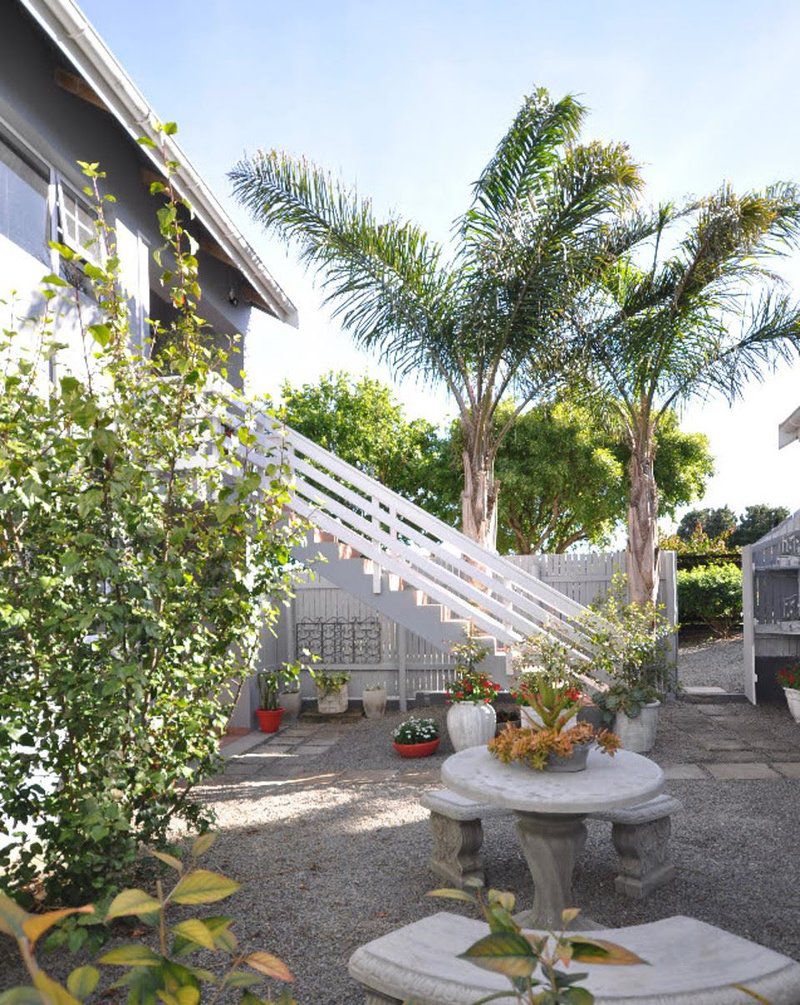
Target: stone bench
[
  {"x": 688, "y": 962},
  {"x": 640, "y": 835}
]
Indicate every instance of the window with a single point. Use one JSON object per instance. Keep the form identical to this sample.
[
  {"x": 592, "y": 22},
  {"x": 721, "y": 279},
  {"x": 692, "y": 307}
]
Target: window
[
  {"x": 24, "y": 213},
  {"x": 76, "y": 225}
]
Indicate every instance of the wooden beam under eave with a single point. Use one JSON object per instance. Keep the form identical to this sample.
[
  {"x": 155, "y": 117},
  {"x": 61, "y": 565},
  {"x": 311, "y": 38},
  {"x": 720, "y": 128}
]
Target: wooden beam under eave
[{"x": 76, "y": 85}]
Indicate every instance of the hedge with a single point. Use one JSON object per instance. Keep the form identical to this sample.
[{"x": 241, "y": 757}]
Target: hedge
[{"x": 711, "y": 595}]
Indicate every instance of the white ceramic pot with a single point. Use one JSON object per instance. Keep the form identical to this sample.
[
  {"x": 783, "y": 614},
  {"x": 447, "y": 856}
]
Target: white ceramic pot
[
  {"x": 335, "y": 703},
  {"x": 374, "y": 702},
  {"x": 471, "y": 724},
  {"x": 793, "y": 701},
  {"x": 530, "y": 718},
  {"x": 292, "y": 702},
  {"x": 639, "y": 734}
]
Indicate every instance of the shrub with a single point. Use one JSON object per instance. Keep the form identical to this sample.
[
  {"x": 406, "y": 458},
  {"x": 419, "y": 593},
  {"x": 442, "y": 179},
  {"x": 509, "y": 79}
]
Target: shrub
[
  {"x": 711, "y": 595},
  {"x": 141, "y": 551},
  {"x": 167, "y": 974}
]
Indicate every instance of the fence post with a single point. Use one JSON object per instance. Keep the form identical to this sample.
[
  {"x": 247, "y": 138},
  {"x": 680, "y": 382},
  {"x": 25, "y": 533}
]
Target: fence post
[
  {"x": 669, "y": 573},
  {"x": 748, "y": 625},
  {"x": 402, "y": 650}
]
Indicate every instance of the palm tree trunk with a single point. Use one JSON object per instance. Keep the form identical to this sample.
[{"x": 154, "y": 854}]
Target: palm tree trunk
[
  {"x": 643, "y": 517},
  {"x": 479, "y": 498}
]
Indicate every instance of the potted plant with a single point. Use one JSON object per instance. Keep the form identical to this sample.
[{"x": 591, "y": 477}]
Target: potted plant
[
  {"x": 416, "y": 737},
  {"x": 629, "y": 642},
  {"x": 269, "y": 713},
  {"x": 471, "y": 719},
  {"x": 544, "y": 661},
  {"x": 373, "y": 699},
  {"x": 556, "y": 745},
  {"x": 332, "y": 696},
  {"x": 290, "y": 698},
  {"x": 789, "y": 679}
]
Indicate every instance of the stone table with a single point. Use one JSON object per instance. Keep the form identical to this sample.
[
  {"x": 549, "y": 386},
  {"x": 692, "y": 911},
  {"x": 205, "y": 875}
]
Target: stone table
[{"x": 551, "y": 808}]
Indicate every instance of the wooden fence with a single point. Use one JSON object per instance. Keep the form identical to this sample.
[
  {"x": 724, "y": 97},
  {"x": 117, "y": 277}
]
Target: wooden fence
[{"x": 353, "y": 637}]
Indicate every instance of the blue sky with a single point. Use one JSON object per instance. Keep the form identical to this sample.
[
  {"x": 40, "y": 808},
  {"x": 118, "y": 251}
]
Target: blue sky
[{"x": 408, "y": 99}]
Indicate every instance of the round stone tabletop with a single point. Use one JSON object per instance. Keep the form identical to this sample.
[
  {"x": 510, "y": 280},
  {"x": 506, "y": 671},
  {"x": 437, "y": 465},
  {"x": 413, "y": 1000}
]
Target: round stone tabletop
[{"x": 607, "y": 783}]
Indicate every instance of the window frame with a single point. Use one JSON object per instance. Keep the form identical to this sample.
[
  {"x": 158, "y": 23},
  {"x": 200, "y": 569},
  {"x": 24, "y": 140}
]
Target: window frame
[{"x": 19, "y": 146}]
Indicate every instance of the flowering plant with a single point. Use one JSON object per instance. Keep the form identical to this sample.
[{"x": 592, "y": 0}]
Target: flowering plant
[
  {"x": 476, "y": 687},
  {"x": 556, "y": 702},
  {"x": 790, "y": 676},
  {"x": 415, "y": 730},
  {"x": 534, "y": 746}
]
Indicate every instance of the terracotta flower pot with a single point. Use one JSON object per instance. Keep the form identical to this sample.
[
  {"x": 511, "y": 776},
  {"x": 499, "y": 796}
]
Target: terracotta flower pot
[
  {"x": 269, "y": 719},
  {"x": 417, "y": 749}
]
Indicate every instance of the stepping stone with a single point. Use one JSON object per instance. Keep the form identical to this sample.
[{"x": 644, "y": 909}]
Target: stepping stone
[
  {"x": 742, "y": 771},
  {"x": 683, "y": 772},
  {"x": 722, "y": 743}
]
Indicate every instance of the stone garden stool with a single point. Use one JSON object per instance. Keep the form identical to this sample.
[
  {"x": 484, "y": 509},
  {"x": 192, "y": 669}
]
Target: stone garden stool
[
  {"x": 457, "y": 835},
  {"x": 640, "y": 835},
  {"x": 688, "y": 962}
]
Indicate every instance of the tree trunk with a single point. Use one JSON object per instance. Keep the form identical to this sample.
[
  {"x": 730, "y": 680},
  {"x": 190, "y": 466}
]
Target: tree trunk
[
  {"x": 643, "y": 517},
  {"x": 479, "y": 498}
]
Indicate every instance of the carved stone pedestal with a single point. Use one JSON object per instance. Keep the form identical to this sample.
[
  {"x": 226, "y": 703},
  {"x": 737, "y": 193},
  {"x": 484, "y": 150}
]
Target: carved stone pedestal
[
  {"x": 456, "y": 854},
  {"x": 643, "y": 851},
  {"x": 552, "y": 846}
]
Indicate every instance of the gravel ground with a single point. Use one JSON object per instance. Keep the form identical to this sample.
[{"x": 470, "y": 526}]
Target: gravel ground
[
  {"x": 331, "y": 845},
  {"x": 711, "y": 662}
]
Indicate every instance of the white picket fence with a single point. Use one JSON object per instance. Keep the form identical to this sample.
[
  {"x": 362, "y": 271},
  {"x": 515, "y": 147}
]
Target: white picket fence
[{"x": 405, "y": 662}]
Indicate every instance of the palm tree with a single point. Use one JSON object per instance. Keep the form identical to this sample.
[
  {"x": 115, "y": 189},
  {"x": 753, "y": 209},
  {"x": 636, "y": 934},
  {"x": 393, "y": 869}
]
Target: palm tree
[
  {"x": 484, "y": 319},
  {"x": 705, "y": 317}
]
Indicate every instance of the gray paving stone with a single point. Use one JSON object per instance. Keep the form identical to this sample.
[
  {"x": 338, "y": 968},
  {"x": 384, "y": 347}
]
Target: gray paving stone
[
  {"x": 722, "y": 743},
  {"x": 789, "y": 769},
  {"x": 748, "y": 770},
  {"x": 680, "y": 772}
]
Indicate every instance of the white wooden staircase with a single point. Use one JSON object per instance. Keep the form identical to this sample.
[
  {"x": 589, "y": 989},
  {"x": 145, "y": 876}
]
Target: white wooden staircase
[{"x": 410, "y": 566}]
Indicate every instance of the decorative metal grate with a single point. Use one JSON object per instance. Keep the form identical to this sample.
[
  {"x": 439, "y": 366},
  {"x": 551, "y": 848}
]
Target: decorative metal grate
[
  {"x": 791, "y": 608},
  {"x": 340, "y": 640}
]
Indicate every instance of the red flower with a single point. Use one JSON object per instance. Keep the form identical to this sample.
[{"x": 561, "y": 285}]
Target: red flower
[
  {"x": 496, "y": 687},
  {"x": 468, "y": 687},
  {"x": 459, "y": 694},
  {"x": 573, "y": 694}
]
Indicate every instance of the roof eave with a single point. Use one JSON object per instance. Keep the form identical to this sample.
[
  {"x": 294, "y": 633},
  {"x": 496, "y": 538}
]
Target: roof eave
[{"x": 75, "y": 36}]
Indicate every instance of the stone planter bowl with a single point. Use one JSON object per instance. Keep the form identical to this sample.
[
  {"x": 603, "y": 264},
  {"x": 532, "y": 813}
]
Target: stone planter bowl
[
  {"x": 471, "y": 724},
  {"x": 334, "y": 703},
  {"x": 374, "y": 702},
  {"x": 638, "y": 734},
  {"x": 291, "y": 702},
  {"x": 575, "y": 762},
  {"x": 793, "y": 701}
]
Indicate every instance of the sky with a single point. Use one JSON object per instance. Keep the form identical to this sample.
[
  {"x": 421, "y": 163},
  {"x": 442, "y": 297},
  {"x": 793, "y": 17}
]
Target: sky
[{"x": 409, "y": 99}]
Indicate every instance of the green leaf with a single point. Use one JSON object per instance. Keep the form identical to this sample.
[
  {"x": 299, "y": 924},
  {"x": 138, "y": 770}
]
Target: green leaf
[
  {"x": 269, "y": 965},
  {"x": 25, "y": 995},
  {"x": 100, "y": 333},
  {"x": 167, "y": 859},
  {"x": 241, "y": 979},
  {"x": 202, "y": 886},
  {"x": 12, "y": 917},
  {"x": 53, "y": 992},
  {"x": 82, "y": 981},
  {"x": 203, "y": 843},
  {"x": 134, "y": 954},
  {"x": 132, "y": 902},
  {"x": 452, "y": 895},
  {"x": 35, "y": 925},
  {"x": 600, "y": 951},
  {"x": 505, "y": 953},
  {"x": 195, "y": 931},
  {"x": 51, "y": 279}
]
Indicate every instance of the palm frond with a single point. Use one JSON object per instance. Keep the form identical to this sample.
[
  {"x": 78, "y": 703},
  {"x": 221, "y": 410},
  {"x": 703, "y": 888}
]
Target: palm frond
[{"x": 384, "y": 280}]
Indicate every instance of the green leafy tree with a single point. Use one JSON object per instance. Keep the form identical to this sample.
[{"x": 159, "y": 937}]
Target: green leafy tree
[
  {"x": 757, "y": 521},
  {"x": 361, "y": 421},
  {"x": 713, "y": 523},
  {"x": 486, "y": 319},
  {"x": 141, "y": 550},
  {"x": 695, "y": 310}
]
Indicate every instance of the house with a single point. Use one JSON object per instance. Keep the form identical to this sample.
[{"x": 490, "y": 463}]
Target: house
[{"x": 64, "y": 98}]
